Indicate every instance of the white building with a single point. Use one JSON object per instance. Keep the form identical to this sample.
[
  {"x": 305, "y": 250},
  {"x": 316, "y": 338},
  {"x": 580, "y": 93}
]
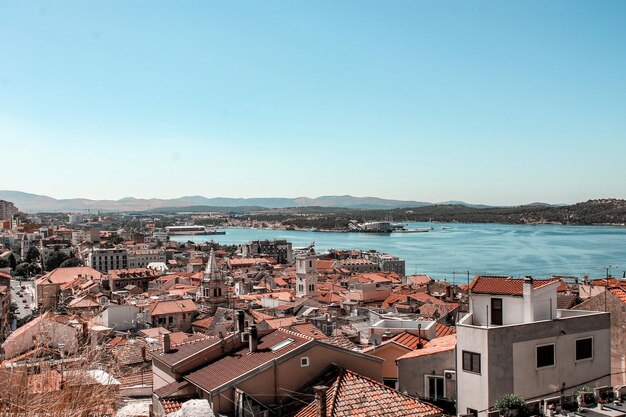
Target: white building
[
  {"x": 141, "y": 258},
  {"x": 515, "y": 341},
  {"x": 306, "y": 276}
]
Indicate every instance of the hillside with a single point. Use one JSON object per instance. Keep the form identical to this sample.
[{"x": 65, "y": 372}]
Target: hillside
[{"x": 608, "y": 211}]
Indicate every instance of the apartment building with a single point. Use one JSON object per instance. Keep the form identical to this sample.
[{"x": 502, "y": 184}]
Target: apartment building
[
  {"x": 515, "y": 340},
  {"x": 102, "y": 259},
  {"x": 141, "y": 258},
  {"x": 7, "y": 210}
]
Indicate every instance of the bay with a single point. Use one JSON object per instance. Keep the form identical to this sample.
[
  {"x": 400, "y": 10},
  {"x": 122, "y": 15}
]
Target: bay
[{"x": 451, "y": 249}]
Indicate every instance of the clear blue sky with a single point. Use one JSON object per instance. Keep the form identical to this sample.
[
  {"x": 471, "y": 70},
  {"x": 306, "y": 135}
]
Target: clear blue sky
[{"x": 494, "y": 102}]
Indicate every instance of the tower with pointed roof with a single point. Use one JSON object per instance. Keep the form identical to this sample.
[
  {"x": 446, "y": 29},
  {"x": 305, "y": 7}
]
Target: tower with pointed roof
[{"x": 213, "y": 289}]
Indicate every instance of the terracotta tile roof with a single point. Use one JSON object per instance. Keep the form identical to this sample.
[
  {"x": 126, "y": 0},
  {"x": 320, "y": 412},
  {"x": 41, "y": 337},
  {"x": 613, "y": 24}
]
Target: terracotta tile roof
[
  {"x": 565, "y": 301},
  {"x": 619, "y": 293},
  {"x": 171, "y": 307},
  {"x": 277, "y": 323},
  {"x": 437, "y": 345},
  {"x": 204, "y": 323},
  {"x": 309, "y": 329},
  {"x": 443, "y": 330},
  {"x": 171, "y": 388},
  {"x": 154, "y": 332},
  {"x": 505, "y": 285},
  {"x": 418, "y": 279},
  {"x": 241, "y": 361},
  {"x": 184, "y": 350},
  {"x": 340, "y": 341},
  {"x": 136, "y": 379},
  {"x": 323, "y": 265},
  {"x": 422, "y": 297},
  {"x": 170, "y": 406},
  {"x": 352, "y": 395},
  {"x": 409, "y": 340},
  {"x": 64, "y": 275}
]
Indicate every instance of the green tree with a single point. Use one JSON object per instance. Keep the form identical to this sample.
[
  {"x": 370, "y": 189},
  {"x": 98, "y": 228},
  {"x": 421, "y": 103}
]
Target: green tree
[
  {"x": 511, "y": 405},
  {"x": 71, "y": 262},
  {"x": 26, "y": 269},
  {"x": 55, "y": 260},
  {"x": 21, "y": 270},
  {"x": 32, "y": 255}
]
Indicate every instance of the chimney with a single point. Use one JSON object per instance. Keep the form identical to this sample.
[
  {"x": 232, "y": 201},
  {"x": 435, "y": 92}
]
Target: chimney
[
  {"x": 252, "y": 339},
  {"x": 529, "y": 314},
  {"x": 387, "y": 335},
  {"x": 240, "y": 321},
  {"x": 320, "y": 399},
  {"x": 166, "y": 342}
]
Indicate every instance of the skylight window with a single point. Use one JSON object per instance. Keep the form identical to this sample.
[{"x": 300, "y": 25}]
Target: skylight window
[{"x": 282, "y": 344}]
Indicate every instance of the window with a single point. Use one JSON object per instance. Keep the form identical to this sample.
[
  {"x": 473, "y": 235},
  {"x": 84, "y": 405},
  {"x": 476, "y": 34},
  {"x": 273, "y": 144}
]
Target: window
[
  {"x": 282, "y": 344},
  {"x": 434, "y": 387},
  {"x": 471, "y": 362},
  {"x": 545, "y": 355},
  {"x": 584, "y": 349},
  {"x": 391, "y": 383},
  {"x": 304, "y": 362},
  {"x": 496, "y": 311}
]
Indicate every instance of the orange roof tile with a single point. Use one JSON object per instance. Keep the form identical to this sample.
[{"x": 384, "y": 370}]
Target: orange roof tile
[
  {"x": 443, "y": 330},
  {"x": 619, "y": 293},
  {"x": 437, "y": 345},
  {"x": 172, "y": 307},
  {"x": 505, "y": 285},
  {"x": 353, "y": 395}
]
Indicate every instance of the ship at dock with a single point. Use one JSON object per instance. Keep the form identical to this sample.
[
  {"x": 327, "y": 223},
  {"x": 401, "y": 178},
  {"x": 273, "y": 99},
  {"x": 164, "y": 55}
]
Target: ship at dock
[{"x": 192, "y": 230}]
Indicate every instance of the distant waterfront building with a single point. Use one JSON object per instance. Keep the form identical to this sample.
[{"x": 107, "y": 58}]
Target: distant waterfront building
[
  {"x": 104, "y": 259},
  {"x": 359, "y": 265},
  {"x": 7, "y": 210},
  {"x": 514, "y": 340},
  {"x": 281, "y": 250},
  {"x": 386, "y": 262},
  {"x": 306, "y": 276}
]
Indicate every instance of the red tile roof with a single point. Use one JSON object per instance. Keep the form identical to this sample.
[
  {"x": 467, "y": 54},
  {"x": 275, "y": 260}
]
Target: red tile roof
[
  {"x": 505, "y": 285},
  {"x": 443, "y": 330},
  {"x": 619, "y": 293},
  {"x": 240, "y": 362},
  {"x": 204, "y": 323},
  {"x": 173, "y": 307},
  {"x": 353, "y": 395},
  {"x": 437, "y": 345},
  {"x": 170, "y": 406},
  {"x": 409, "y": 340},
  {"x": 309, "y": 329}
]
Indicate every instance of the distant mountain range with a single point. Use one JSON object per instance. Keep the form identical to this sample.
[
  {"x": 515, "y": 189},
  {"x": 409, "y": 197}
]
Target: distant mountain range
[{"x": 33, "y": 203}]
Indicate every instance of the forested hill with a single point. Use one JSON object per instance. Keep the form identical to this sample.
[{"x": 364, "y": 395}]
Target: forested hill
[{"x": 609, "y": 211}]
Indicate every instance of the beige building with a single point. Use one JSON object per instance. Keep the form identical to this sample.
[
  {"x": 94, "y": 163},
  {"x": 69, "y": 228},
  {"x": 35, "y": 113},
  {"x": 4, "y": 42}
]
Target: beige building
[
  {"x": 48, "y": 287},
  {"x": 268, "y": 368},
  {"x": 175, "y": 315}
]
